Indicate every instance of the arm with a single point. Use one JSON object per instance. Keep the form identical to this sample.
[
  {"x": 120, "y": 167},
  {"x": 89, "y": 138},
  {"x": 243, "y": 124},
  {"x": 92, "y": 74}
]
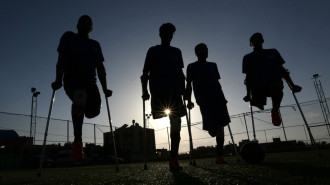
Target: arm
[
  {"x": 248, "y": 89},
  {"x": 144, "y": 82},
  {"x": 60, "y": 68},
  {"x": 103, "y": 80},
  {"x": 188, "y": 90},
  {"x": 286, "y": 76}
]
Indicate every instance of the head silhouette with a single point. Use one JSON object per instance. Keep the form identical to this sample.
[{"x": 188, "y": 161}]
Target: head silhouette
[
  {"x": 166, "y": 32},
  {"x": 85, "y": 25},
  {"x": 256, "y": 40},
  {"x": 201, "y": 51}
]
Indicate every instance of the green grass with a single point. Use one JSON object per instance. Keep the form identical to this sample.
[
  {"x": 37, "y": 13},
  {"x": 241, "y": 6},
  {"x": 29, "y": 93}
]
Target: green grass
[{"x": 296, "y": 168}]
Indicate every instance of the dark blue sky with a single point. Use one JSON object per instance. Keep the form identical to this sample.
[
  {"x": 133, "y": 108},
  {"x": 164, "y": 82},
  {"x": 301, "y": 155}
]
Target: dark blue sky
[{"x": 30, "y": 33}]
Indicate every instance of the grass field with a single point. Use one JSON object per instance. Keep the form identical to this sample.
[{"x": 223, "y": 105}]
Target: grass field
[{"x": 297, "y": 168}]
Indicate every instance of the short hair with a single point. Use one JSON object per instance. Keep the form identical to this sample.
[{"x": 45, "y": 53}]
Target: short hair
[
  {"x": 255, "y": 36},
  {"x": 85, "y": 18},
  {"x": 167, "y": 28},
  {"x": 198, "y": 48}
]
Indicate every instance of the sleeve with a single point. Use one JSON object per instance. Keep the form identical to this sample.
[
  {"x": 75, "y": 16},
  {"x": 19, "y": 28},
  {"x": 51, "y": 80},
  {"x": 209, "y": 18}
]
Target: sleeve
[
  {"x": 279, "y": 57},
  {"x": 63, "y": 46},
  {"x": 99, "y": 53},
  {"x": 189, "y": 73},
  {"x": 147, "y": 62},
  {"x": 181, "y": 59},
  {"x": 216, "y": 68}
]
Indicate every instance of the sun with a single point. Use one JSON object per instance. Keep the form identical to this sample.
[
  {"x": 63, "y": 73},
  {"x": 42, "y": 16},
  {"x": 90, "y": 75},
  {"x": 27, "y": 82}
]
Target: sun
[{"x": 167, "y": 111}]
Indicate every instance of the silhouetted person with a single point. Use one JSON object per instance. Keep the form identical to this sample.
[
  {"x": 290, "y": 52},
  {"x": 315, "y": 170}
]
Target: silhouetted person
[
  {"x": 78, "y": 59},
  {"x": 264, "y": 72},
  {"x": 163, "y": 68},
  {"x": 209, "y": 96}
]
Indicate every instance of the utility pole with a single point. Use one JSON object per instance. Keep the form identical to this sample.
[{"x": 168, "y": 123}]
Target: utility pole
[
  {"x": 322, "y": 100},
  {"x": 33, "y": 123}
]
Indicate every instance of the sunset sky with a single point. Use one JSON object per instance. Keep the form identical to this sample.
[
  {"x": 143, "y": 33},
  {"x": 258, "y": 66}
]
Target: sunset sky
[{"x": 31, "y": 29}]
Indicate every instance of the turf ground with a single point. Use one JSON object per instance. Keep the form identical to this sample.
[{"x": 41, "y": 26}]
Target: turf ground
[{"x": 297, "y": 168}]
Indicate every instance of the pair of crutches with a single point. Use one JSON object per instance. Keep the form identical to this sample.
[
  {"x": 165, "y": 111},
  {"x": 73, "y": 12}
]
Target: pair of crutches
[{"x": 46, "y": 133}]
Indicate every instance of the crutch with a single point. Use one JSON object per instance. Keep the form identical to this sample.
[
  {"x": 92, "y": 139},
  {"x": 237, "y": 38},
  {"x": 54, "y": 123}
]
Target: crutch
[
  {"x": 192, "y": 159},
  {"x": 46, "y": 132},
  {"x": 113, "y": 137},
  {"x": 306, "y": 124},
  {"x": 145, "y": 135},
  {"x": 232, "y": 139}
]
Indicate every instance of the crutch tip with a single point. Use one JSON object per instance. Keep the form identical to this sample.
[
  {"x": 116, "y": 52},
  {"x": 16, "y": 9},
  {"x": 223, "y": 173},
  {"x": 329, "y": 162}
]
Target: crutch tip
[
  {"x": 39, "y": 174},
  {"x": 145, "y": 167},
  {"x": 117, "y": 169}
]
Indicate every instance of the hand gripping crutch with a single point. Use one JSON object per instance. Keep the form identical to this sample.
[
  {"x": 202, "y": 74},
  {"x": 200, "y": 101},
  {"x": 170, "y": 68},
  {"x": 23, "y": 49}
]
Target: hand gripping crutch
[
  {"x": 306, "y": 124},
  {"x": 46, "y": 132},
  {"x": 113, "y": 136},
  {"x": 192, "y": 158},
  {"x": 145, "y": 135},
  {"x": 232, "y": 139}
]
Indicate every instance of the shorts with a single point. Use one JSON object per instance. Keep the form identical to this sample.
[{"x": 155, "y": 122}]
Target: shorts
[
  {"x": 93, "y": 100},
  {"x": 214, "y": 115},
  {"x": 160, "y": 102},
  {"x": 260, "y": 93}
]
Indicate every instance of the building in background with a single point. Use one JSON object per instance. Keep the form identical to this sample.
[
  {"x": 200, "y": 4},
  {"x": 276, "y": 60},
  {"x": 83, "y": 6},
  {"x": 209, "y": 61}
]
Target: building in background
[{"x": 130, "y": 142}]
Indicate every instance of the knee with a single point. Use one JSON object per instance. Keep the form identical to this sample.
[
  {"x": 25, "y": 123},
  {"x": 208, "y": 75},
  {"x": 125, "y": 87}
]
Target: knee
[{"x": 92, "y": 114}]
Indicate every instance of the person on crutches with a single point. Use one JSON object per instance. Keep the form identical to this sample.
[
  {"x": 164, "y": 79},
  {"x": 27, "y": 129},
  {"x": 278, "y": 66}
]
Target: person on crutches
[
  {"x": 163, "y": 69},
  {"x": 209, "y": 96},
  {"x": 79, "y": 57},
  {"x": 264, "y": 72}
]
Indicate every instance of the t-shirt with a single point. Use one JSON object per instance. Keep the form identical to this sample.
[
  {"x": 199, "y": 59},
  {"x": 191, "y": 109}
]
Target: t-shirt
[
  {"x": 205, "y": 79},
  {"x": 164, "y": 66},
  {"x": 263, "y": 67},
  {"x": 82, "y": 56}
]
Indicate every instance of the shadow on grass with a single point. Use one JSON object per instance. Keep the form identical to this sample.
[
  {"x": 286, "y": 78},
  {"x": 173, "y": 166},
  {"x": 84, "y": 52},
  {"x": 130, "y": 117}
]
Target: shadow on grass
[
  {"x": 300, "y": 169},
  {"x": 180, "y": 178},
  {"x": 231, "y": 175}
]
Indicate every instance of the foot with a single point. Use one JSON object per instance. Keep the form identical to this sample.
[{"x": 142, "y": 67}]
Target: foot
[
  {"x": 174, "y": 164},
  {"x": 296, "y": 89},
  {"x": 77, "y": 151},
  {"x": 220, "y": 160},
  {"x": 276, "y": 118}
]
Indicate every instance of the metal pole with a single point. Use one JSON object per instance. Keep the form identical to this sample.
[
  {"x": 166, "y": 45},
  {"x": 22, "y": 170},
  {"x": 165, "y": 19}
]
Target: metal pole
[
  {"x": 31, "y": 117},
  {"x": 94, "y": 135},
  {"x": 266, "y": 136},
  {"x": 46, "y": 133},
  {"x": 67, "y": 131},
  {"x": 283, "y": 125},
  {"x": 145, "y": 136},
  {"x": 247, "y": 132},
  {"x": 308, "y": 129},
  {"x": 232, "y": 138},
  {"x": 168, "y": 139},
  {"x": 254, "y": 131},
  {"x": 192, "y": 159},
  {"x": 113, "y": 136},
  {"x": 35, "y": 121},
  {"x": 305, "y": 133}
]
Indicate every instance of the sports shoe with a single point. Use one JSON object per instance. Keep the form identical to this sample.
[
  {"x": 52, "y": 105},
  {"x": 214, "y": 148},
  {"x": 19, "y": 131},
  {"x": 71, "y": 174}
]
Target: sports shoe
[
  {"x": 276, "y": 118},
  {"x": 174, "y": 164},
  {"x": 220, "y": 160},
  {"x": 77, "y": 151}
]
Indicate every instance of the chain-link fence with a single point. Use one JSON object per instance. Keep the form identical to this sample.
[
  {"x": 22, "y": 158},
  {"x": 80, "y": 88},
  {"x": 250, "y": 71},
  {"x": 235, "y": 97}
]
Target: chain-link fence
[{"x": 293, "y": 128}]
